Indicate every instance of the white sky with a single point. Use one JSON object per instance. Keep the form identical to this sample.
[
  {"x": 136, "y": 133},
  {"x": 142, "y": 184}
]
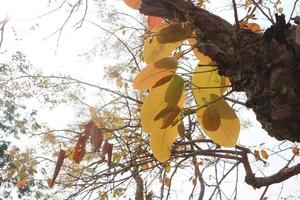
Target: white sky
[{"x": 42, "y": 52}]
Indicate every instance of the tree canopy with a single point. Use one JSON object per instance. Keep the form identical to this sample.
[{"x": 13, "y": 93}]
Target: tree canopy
[{"x": 170, "y": 118}]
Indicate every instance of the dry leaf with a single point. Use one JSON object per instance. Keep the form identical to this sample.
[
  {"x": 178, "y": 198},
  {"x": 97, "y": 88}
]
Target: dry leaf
[{"x": 59, "y": 162}]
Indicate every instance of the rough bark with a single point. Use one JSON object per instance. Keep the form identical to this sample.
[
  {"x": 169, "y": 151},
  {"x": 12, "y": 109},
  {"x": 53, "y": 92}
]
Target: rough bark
[{"x": 268, "y": 72}]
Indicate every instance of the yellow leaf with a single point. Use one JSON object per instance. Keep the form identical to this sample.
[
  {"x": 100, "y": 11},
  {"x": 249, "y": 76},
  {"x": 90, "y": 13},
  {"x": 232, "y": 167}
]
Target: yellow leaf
[
  {"x": 169, "y": 94},
  {"x": 167, "y": 167},
  {"x": 227, "y": 133},
  {"x": 211, "y": 118},
  {"x": 161, "y": 141},
  {"x": 168, "y": 115},
  {"x": 173, "y": 32},
  {"x": 280, "y": 10},
  {"x": 154, "y": 50},
  {"x": 174, "y": 90},
  {"x": 154, "y": 72},
  {"x": 264, "y": 154},
  {"x": 204, "y": 60},
  {"x": 205, "y": 81}
]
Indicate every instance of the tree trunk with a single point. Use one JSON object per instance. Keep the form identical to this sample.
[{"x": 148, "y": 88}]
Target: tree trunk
[{"x": 265, "y": 66}]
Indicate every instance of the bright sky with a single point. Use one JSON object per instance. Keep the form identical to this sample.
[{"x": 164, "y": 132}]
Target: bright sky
[{"x": 41, "y": 51}]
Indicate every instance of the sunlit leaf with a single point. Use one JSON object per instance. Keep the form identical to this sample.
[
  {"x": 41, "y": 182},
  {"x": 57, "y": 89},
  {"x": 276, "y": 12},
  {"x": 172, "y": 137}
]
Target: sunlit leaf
[
  {"x": 154, "y": 50},
  {"x": 264, "y": 154},
  {"x": 211, "y": 118},
  {"x": 168, "y": 115},
  {"x": 206, "y": 81},
  {"x": 161, "y": 141},
  {"x": 153, "y": 22},
  {"x": 134, "y": 4},
  {"x": 166, "y": 95},
  {"x": 227, "y": 133},
  {"x": 167, "y": 167},
  {"x": 154, "y": 72},
  {"x": 59, "y": 162},
  {"x": 79, "y": 151}
]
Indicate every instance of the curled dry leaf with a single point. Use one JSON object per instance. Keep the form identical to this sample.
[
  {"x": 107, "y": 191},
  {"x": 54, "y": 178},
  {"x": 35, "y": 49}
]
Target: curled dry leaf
[
  {"x": 96, "y": 138},
  {"x": 59, "y": 162},
  {"x": 79, "y": 151},
  {"x": 107, "y": 149}
]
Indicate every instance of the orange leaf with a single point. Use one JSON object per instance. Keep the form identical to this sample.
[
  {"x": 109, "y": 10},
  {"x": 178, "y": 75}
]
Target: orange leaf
[
  {"x": 153, "y": 22},
  {"x": 21, "y": 184},
  {"x": 59, "y": 162},
  {"x": 264, "y": 154},
  {"x": 134, "y": 4},
  {"x": 79, "y": 151},
  {"x": 154, "y": 72},
  {"x": 250, "y": 26},
  {"x": 107, "y": 149}
]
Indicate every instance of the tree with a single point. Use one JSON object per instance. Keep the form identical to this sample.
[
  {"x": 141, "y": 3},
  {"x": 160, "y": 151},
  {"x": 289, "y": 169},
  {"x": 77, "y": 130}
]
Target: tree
[{"x": 264, "y": 65}]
